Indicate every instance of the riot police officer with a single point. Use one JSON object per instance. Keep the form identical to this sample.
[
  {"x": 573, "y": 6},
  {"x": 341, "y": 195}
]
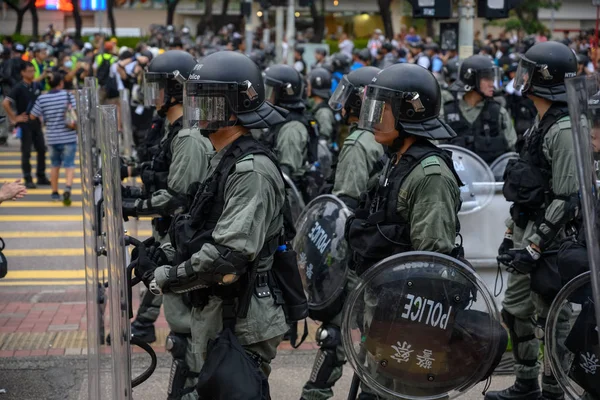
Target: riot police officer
[
  {"x": 415, "y": 203},
  {"x": 542, "y": 186},
  {"x": 182, "y": 159},
  {"x": 481, "y": 124},
  {"x": 225, "y": 246},
  {"x": 359, "y": 160},
  {"x": 319, "y": 91},
  {"x": 289, "y": 139}
]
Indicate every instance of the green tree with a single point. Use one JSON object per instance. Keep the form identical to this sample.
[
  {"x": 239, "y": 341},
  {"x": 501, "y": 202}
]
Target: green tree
[{"x": 525, "y": 16}]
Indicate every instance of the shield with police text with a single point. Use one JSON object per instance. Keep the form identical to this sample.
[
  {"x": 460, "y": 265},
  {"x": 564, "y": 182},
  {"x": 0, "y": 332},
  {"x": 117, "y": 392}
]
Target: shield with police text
[
  {"x": 323, "y": 254},
  {"x": 422, "y": 325},
  {"x": 479, "y": 183},
  {"x": 499, "y": 165}
]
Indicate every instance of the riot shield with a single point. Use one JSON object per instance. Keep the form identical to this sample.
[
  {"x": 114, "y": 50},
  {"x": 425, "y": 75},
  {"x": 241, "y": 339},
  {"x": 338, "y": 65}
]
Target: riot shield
[
  {"x": 325, "y": 159},
  {"x": 127, "y": 149},
  {"x": 323, "y": 254},
  {"x": 576, "y": 360},
  {"x": 422, "y": 325},
  {"x": 294, "y": 197},
  {"x": 478, "y": 179},
  {"x": 115, "y": 246},
  {"x": 499, "y": 165},
  {"x": 92, "y": 279}
]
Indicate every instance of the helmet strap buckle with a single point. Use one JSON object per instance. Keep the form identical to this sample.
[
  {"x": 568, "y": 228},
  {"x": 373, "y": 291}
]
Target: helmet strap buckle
[
  {"x": 289, "y": 90},
  {"x": 545, "y": 73},
  {"x": 415, "y": 100}
]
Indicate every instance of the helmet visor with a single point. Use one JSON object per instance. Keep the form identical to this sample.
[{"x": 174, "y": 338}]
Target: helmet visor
[
  {"x": 377, "y": 111},
  {"x": 154, "y": 90},
  {"x": 488, "y": 80},
  {"x": 209, "y": 105},
  {"x": 525, "y": 72},
  {"x": 341, "y": 95}
]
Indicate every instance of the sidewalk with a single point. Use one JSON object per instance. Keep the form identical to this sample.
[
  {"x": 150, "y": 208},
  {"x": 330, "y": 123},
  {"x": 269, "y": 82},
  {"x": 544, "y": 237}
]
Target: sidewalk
[{"x": 52, "y": 323}]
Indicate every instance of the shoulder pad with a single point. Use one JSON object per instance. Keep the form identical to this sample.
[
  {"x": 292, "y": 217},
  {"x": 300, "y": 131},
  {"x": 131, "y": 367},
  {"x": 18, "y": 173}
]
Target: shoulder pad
[
  {"x": 245, "y": 164},
  {"x": 564, "y": 123},
  {"x": 353, "y": 137},
  {"x": 431, "y": 166},
  {"x": 184, "y": 132}
]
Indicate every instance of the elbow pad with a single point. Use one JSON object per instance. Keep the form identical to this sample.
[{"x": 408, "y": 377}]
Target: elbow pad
[{"x": 229, "y": 262}]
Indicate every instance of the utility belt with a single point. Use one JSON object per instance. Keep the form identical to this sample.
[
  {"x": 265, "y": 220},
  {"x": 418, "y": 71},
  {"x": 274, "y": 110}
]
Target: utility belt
[
  {"x": 199, "y": 298},
  {"x": 162, "y": 224}
]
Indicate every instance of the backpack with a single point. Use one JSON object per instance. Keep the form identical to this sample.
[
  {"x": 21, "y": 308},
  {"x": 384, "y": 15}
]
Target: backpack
[{"x": 103, "y": 71}]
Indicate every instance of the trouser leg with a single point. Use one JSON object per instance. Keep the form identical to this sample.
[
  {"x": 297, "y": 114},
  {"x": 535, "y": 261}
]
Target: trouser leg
[
  {"x": 40, "y": 147},
  {"x": 26, "y": 142}
]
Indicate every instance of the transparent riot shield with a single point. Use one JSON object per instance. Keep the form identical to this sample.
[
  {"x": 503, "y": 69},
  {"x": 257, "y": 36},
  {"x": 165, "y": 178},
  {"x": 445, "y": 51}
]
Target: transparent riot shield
[
  {"x": 499, "y": 165},
  {"x": 478, "y": 179},
  {"x": 323, "y": 253},
  {"x": 127, "y": 149},
  {"x": 422, "y": 325},
  {"x": 115, "y": 247},
  {"x": 576, "y": 359},
  {"x": 90, "y": 222},
  {"x": 294, "y": 197},
  {"x": 325, "y": 159}
]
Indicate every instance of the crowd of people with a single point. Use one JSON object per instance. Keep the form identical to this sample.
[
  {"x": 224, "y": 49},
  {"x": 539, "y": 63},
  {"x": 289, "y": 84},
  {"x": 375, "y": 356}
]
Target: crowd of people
[{"x": 218, "y": 161}]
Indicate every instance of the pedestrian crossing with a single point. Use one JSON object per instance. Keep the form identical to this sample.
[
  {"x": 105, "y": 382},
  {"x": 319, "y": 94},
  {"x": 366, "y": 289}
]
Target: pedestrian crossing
[{"x": 43, "y": 238}]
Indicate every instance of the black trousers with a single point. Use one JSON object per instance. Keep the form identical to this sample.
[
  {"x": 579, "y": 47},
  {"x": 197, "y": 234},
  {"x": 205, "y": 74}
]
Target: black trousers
[{"x": 32, "y": 135}]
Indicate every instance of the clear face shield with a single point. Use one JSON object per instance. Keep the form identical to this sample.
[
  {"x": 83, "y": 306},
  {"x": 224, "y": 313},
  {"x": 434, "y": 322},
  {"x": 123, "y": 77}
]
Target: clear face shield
[
  {"x": 209, "y": 105},
  {"x": 489, "y": 80},
  {"x": 376, "y": 113},
  {"x": 524, "y": 74},
  {"x": 341, "y": 95},
  {"x": 153, "y": 87}
]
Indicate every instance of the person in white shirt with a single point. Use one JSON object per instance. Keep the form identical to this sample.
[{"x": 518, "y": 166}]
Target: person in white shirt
[{"x": 346, "y": 45}]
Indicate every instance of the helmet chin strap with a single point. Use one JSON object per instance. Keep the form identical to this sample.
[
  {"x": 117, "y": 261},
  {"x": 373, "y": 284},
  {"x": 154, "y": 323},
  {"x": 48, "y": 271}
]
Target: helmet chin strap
[
  {"x": 213, "y": 127},
  {"x": 162, "y": 112},
  {"x": 399, "y": 141}
]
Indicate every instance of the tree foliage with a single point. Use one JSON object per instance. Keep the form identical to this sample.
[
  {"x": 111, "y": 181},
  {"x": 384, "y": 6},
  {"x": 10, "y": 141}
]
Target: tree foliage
[{"x": 525, "y": 16}]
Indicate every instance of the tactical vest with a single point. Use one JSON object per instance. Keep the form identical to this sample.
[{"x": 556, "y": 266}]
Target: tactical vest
[
  {"x": 269, "y": 138},
  {"x": 376, "y": 230},
  {"x": 156, "y": 176},
  {"x": 485, "y": 136},
  {"x": 336, "y": 122},
  {"x": 523, "y": 112},
  {"x": 151, "y": 144},
  {"x": 527, "y": 179}
]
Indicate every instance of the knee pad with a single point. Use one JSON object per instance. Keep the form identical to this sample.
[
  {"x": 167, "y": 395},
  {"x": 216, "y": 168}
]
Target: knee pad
[
  {"x": 510, "y": 321},
  {"x": 328, "y": 337},
  {"x": 177, "y": 344}
]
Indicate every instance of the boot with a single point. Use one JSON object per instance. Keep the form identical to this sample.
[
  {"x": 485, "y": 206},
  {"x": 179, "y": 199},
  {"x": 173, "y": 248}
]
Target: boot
[
  {"x": 43, "y": 181},
  {"x": 523, "y": 389},
  {"x": 29, "y": 183},
  {"x": 144, "y": 331},
  {"x": 552, "y": 396}
]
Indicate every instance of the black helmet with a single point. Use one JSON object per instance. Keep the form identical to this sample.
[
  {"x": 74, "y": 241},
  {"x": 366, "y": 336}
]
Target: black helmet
[
  {"x": 348, "y": 94},
  {"x": 164, "y": 78},
  {"x": 543, "y": 69},
  {"x": 451, "y": 70},
  {"x": 259, "y": 57},
  {"x": 321, "y": 51},
  {"x": 287, "y": 85},
  {"x": 414, "y": 96},
  {"x": 341, "y": 62},
  {"x": 319, "y": 80},
  {"x": 364, "y": 55},
  {"x": 472, "y": 71},
  {"x": 228, "y": 83}
]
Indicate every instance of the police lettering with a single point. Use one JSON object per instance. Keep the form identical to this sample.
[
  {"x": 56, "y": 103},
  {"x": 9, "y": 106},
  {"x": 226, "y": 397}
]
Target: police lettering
[
  {"x": 458, "y": 165},
  {"x": 423, "y": 310},
  {"x": 319, "y": 237}
]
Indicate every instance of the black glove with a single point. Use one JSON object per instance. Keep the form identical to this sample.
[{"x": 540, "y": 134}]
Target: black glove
[
  {"x": 132, "y": 192},
  {"x": 145, "y": 266},
  {"x": 148, "y": 243},
  {"x": 129, "y": 208},
  {"x": 520, "y": 261},
  {"x": 157, "y": 255},
  {"x": 507, "y": 244}
]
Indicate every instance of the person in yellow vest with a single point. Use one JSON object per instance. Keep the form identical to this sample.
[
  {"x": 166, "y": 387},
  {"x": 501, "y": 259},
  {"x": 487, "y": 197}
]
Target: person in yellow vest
[
  {"x": 40, "y": 55},
  {"x": 103, "y": 71}
]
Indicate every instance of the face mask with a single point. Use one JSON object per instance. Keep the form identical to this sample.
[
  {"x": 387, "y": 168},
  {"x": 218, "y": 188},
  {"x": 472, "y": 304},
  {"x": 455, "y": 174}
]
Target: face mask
[{"x": 69, "y": 64}]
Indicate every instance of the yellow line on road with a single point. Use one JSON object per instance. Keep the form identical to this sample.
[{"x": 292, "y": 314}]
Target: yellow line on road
[
  {"x": 18, "y": 171},
  {"x": 38, "y": 204},
  {"x": 18, "y": 162},
  {"x": 43, "y": 252},
  {"x": 46, "y": 274},
  {"x": 18, "y": 154},
  {"x": 48, "y": 191},
  {"x": 47, "y": 218},
  {"x": 55, "y": 234},
  {"x": 38, "y": 283}
]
